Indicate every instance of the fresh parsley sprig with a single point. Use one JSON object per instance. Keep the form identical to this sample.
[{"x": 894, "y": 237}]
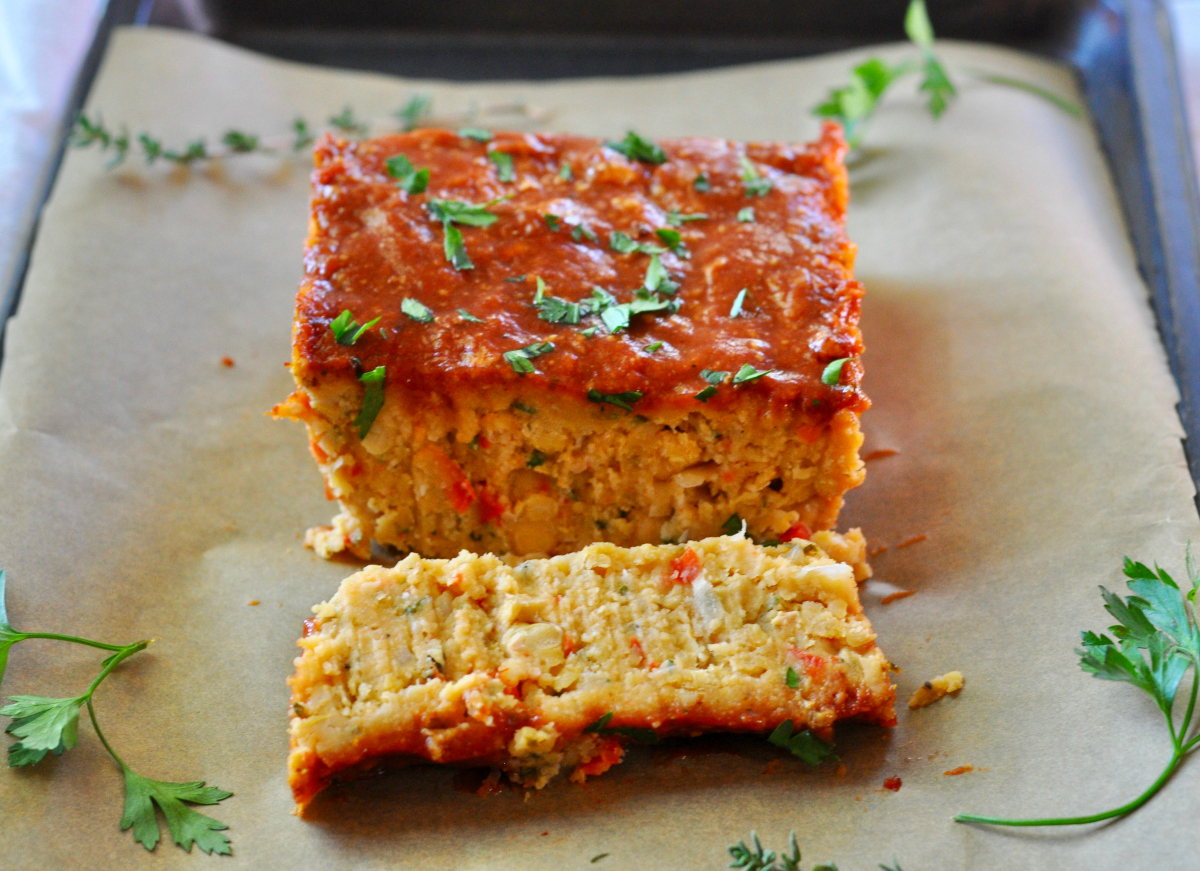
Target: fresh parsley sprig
[
  {"x": 92, "y": 132},
  {"x": 853, "y": 104},
  {"x": 346, "y": 330},
  {"x": 1154, "y": 643},
  {"x": 756, "y": 858},
  {"x": 45, "y": 725}
]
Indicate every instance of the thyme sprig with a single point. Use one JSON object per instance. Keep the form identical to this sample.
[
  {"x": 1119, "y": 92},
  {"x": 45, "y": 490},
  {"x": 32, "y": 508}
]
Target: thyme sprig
[
  {"x": 1156, "y": 641},
  {"x": 92, "y": 132},
  {"x": 45, "y": 725},
  {"x": 853, "y": 104}
]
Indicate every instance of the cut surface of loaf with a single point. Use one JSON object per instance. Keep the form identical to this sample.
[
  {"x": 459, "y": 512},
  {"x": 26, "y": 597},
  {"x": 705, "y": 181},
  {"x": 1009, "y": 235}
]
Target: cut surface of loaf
[
  {"x": 544, "y": 666},
  {"x": 638, "y": 345}
]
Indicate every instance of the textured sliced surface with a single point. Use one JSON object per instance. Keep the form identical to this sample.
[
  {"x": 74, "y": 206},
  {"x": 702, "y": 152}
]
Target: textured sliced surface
[{"x": 477, "y": 660}]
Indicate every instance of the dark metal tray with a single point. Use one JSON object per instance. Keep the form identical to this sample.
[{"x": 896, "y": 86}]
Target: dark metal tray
[{"x": 1121, "y": 50}]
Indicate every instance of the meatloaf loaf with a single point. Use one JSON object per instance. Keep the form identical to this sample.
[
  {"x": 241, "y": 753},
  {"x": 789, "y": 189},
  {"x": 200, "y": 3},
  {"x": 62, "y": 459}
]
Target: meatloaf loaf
[
  {"x": 549, "y": 665},
  {"x": 528, "y": 344}
]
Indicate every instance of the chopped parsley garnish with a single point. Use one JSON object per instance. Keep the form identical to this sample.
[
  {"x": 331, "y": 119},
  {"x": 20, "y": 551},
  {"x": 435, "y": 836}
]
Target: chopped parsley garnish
[
  {"x": 504, "y": 165},
  {"x": 749, "y": 373},
  {"x": 676, "y": 218},
  {"x": 804, "y": 745},
  {"x": 383, "y": 333},
  {"x": 746, "y": 215},
  {"x": 458, "y": 212},
  {"x": 521, "y": 358},
  {"x": 540, "y": 293},
  {"x": 754, "y": 184},
  {"x": 736, "y": 309},
  {"x": 521, "y": 406},
  {"x": 651, "y": 348},
  {"x": 516, "y": 279},
  {"x": 559, "y": 311},
  {"x": 372, "y": 382},
  {"x": 589, "y": 332},
  {"x": 713, "y": 376},
  {"x": 583, "y": 231},
  {"x": 564, "y": 172},
  {"x": 673, "y": 240},
  {"x": 620, "y": 400},
  {"x": 792, "y": 679},
  {"x": 416, "y": 310},
  {"x": 636, "y": 148},
  {"x": 467, "y": 316},
  {"x": 346, "y": 330},
  {"x": 641, "y": 736},
  {"x": 707, "y": 393},
  {"x": 535, "y": 459},
  {"x": 623, "y": 243},
  {"x": 732, "y": 526},
  {"x": 408, "y": 177},
  {"x": 476, "y": 133},
  {"x": 552, "y": 221},
  {"x": 701, "y": 183},
  {"x": 656, "y": 275},
  {"x": 451, "y": 212},
  {"x": 833, "y": 372}
]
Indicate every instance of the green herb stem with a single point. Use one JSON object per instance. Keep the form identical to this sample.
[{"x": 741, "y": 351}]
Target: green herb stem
[
  {"x": 103, "y": 739},
  {"x": 53, "y": 636}
]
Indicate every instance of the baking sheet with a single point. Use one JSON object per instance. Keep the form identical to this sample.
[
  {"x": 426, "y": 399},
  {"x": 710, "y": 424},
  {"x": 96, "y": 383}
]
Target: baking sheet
[{"x": 1012, "y": 358}]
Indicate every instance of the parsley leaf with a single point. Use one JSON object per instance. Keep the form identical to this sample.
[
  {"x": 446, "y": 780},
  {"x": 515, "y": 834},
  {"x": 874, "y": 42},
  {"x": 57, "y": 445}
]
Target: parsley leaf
[
  {"x": 411, "y": 113},
  {"x": 373, "y": 383},
  {"x": 520, "y": 358},
  {"x": 707, "y": 393},
  {"x": 733, "y": 525},
  {"x": 854, "y": 104},
  {"x": 467, "y": 316},
  {"x": 754, "y": 184},
  {"x": 8, "y": 635},
  {"x": 746, "y": 215},
  {"x": 654, "y": 346},
  {"x": 601, "y": 727},
  {"x": 620, "y": 400},
  {"x": 346, "y": 330},
  {"x": 564, "y": 172},
  {"x": 476, "y": 133},
  {"x": 458, "y": 212},
  {"x": 43, "y": 725},
  {"x": 676, "y": 218},
  {"x": 536, "y": 458},
  {"x": 451, "y": 212},
  {"x": 624, "y": 244},
  {"x": 583, "y": 231},
  {"x": 935, "y": 82},
  {"x": 803, "y": 745},
  {"x": 758, "y": 859},
  {"x": 701, "y": 183},
  {"x": 636, "y": 148},
  {"x": 749, "y": 373},
  {"x": 504, "y": 165},
  {"x": 736, "y": 309},
  {"x": 656, "y": 274},
  {"x": 552, "y": 221},
  {"x": 559, "y": 311},
  {"x": 347, "y": 123},
  {"x": 833, "y": 372},
  {"x": 187, "y": 826},
  {"x": 416, "y": 310},
  {"x": 408, "y": 177},
  {"x": 713, "y": 376},
  {"x": 792, "y": 679}
]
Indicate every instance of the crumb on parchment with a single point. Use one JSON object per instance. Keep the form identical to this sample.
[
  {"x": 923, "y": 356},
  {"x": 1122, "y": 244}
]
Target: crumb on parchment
[{"x": 936, "y": 689}]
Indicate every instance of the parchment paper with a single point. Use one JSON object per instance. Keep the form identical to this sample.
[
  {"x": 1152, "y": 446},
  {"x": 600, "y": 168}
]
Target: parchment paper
[{"x": 1012, "y": 358}]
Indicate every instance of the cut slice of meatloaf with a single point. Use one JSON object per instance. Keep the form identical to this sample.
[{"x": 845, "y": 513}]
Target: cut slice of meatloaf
[{"x": 548, "y": 665}]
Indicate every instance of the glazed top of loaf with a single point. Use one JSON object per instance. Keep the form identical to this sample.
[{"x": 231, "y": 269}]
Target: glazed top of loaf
[{"x": 569, "y": 215}]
